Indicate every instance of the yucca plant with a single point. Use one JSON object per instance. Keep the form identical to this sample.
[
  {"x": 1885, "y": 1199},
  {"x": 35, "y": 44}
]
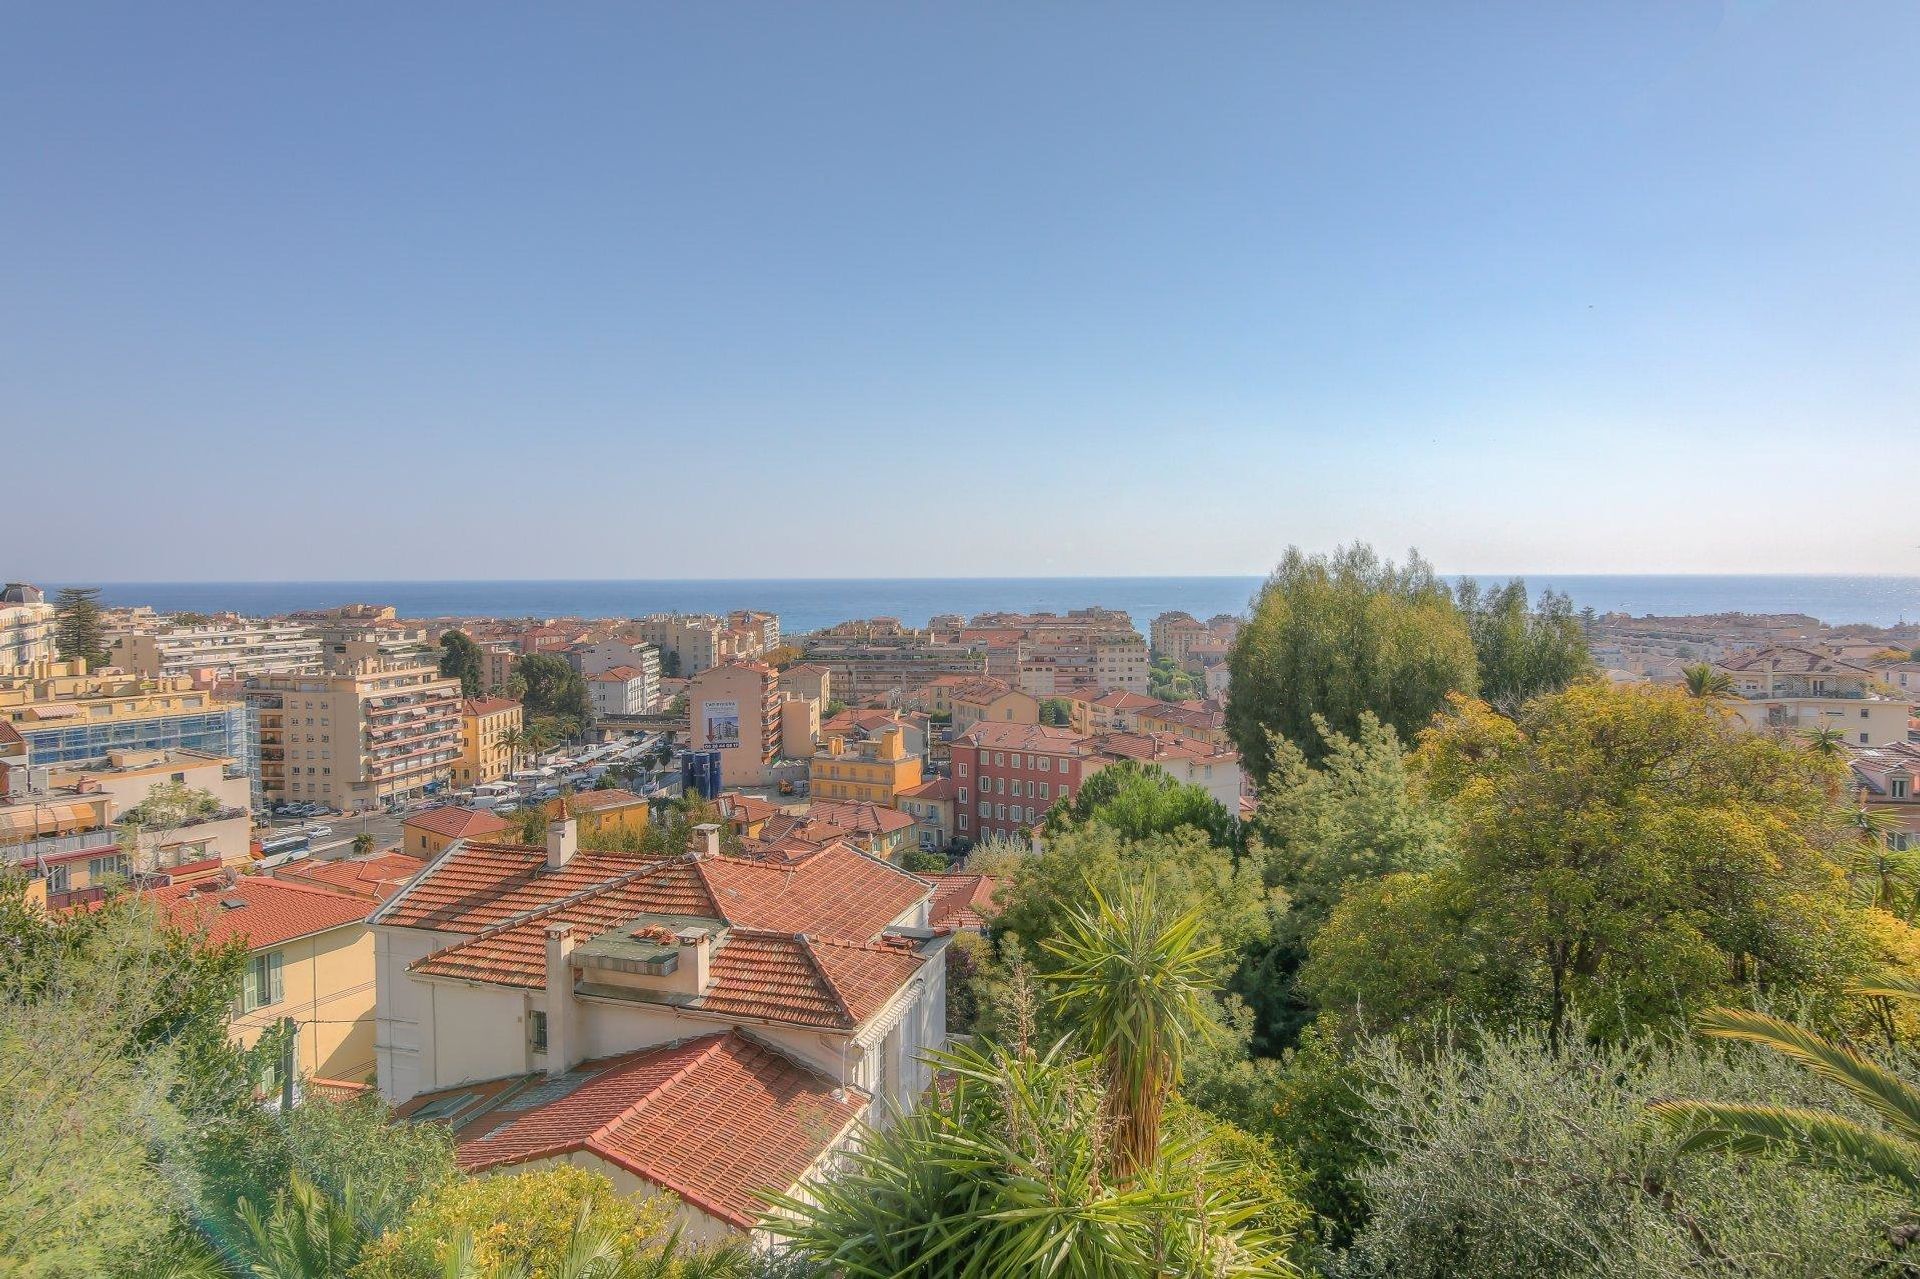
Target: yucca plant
[
  {"x": 1003, "y": 1174},
  {"x": 307, "y": 1233},
  {"x": 1816, "y": 1136},
  {"x": 1881, "y": 874},
  {"x": 596, "y": 1251},
  {"x": 1133, "y": 986}
]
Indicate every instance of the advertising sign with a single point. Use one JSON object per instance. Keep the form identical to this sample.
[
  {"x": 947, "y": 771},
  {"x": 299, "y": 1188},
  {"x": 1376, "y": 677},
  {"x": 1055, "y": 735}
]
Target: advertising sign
[{"x": 723, "y": 724}]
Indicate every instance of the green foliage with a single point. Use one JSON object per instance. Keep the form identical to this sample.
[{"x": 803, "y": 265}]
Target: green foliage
[
  {"x": 1053, "y": 710},
  {"x": 1522, "y": 652},
  {"x": 79, "y": 628},
  {"x": 1169, "y": 682},
  {"x": 922, "y": 861},
  {"x": 1706, "y": 683},
  {"x": 1336, "y": 636},
  {"x": 1137, "y": 801},
  {"x": 967, "y": 954},
  {"x": 462, "y": 659},
  {"x": 555, "y": 691},
  {"x": 1002, "y": 1175},
  {"x": 1360, "y": 815},
  {"x": 337, "y": 1145},
  {"x": 1130, "y": 984},
  {"x": 1506, "y": 1156},
  {"x": 1625, "y": 851},
  {"x": 306, "y": 1233}
]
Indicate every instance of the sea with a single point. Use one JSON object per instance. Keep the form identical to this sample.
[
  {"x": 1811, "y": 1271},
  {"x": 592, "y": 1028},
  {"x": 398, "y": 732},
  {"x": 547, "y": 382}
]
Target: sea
[{"x": 809, "y": 604}]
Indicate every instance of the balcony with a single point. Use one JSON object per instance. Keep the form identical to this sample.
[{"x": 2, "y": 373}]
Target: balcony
[{"x": 56, "y": 845}]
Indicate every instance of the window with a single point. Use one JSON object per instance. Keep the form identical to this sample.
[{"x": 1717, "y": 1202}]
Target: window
[
  {"x": 537, "y": 1030},
  {"x": 1016, "y": 787},
  {"x": 261, "y": 984},
  {"x": 963, "y": 794},
  {"x": 986, "y": 808},
  {"x": 1897, "y": 787},
  {"x": 99, "y": 868},
  {"x": 999, "y": 759},
  {"x": 1041, "y": 790},
  {"x": 963, "y": 768},
  {"x": 1029, "y": 814},
  {"x": 1046, "y": 763},
  {"x": 1863, "y": 739}
]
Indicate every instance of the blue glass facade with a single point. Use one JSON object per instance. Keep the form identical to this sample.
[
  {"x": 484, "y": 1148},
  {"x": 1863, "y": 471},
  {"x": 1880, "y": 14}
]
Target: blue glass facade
[{"x": 219, "y": 732}]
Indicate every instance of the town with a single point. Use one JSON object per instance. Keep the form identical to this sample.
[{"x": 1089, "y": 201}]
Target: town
[{"x": 562, "y": 885}]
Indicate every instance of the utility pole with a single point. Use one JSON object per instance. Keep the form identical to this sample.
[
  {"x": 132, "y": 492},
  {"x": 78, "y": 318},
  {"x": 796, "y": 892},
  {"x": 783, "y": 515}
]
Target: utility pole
[{"x": 289, "y": 1060}]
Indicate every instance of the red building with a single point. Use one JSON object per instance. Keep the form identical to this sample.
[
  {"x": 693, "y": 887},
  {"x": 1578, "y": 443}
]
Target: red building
[{"x": 1006, "y": 776}]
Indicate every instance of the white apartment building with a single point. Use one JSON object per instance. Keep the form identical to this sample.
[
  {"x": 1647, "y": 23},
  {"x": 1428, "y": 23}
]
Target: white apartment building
[
  {"x": 26, "y": 626},
  {"x": 235, "y": 649}
]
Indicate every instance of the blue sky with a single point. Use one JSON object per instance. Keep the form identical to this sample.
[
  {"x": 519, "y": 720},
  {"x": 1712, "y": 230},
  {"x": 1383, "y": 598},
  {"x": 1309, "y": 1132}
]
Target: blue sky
[{"x": 465, "y": 290}]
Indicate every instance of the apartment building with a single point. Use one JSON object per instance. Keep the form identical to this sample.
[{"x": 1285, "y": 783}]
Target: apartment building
[
  {"x": 639, "y": 661},
  {"x": 881, "y": 668},
  {"x": 1886, "y": 779},
  {"x": 72, "y": 830},
  {"x": 1120, "y": 661},
  {"x": 879, "y": 830},
  {"x": 862, "y": 723},
  {"x": 610, "y": 812},
  {"x": 26, "y": 626},
  {"x": 806, "y": 680},
  {"x": 619, "y": 692},
  {"x": 930, "y": 804},
  {"x": 1788, "y": 688},
  {"x": 735, "y": 709},
  {"x": 1189, "y": 721},
  {"x": 360, "y": 739},
  {"x": 696, "y": 641},
  {"x": 487, "y": 726},
  {"x": 349, "y": 639},
  {"x": 1006, "y": 776},
  {"x": 986, "y": 700},
  {"x": 556, "y": 1004},
  {"x": 236, "y": 648},
  {"x": 1213, "y": 768},
  {"x": 62, "y": 715},
  {"x": 1172, "y": 633},
  {"x": 875, "y": 770}
]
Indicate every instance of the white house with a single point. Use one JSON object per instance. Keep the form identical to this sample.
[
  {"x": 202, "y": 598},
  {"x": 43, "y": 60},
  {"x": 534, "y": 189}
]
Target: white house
[{"x": 716, "y": 1026}]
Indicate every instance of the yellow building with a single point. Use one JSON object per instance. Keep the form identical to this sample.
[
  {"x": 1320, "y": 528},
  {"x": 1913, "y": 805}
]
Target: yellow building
[
  {"x": 428, "y": 834},
  {"x": 876, "y": 770},
  {"x": 309, "y": 960},
  {"x": 602, "y": 812},
  {"x": 360, "y": 739},
  {"x": 485, "y": 723}
]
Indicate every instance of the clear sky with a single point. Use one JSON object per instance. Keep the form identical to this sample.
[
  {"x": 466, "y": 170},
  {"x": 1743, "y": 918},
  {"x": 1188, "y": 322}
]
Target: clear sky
[{"x": 579, "y": 290}]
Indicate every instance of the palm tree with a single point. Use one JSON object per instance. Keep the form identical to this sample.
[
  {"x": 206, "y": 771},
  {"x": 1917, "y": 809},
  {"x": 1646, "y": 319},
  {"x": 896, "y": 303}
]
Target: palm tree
[
  {"x": 595, "y": 1251},
  {"x": 1882, "y": 874},
  {"x": 363, "y": 843},
  {"x": 513, "y": 741},
  {"x": 1133, "y": 986},
  {"x": 307, "y": 1233},
  {"x": 1815, "y": 1136},
  {"x": 1825, "y": 741},
  {"x": 1708, "y": 684}
]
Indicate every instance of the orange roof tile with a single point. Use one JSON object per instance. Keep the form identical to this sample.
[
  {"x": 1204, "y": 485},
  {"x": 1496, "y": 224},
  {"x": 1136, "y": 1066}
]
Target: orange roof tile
[
  {"x": 861, "y": 816},
  {"x": 376, "y": 878},
  {"x": 719, "y": 1120},
  {"x": 962, "y": 901},
  {"x": 261, "y": 912},
  {"x": 455, "y": 822}
]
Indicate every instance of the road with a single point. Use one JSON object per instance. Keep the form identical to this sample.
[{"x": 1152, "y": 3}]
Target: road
[{"x": 384, "y": 829}]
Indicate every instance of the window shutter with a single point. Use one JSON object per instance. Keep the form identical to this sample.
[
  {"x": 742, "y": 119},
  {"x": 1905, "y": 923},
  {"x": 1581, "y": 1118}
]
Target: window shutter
[
  {"x": 273, "y": 969},
  {"x": 250, "y": 988}
]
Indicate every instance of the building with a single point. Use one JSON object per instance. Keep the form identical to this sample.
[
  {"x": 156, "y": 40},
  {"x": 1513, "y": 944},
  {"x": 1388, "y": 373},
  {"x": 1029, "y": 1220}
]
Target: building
[
  {"x": 610, "y": 655},
  {"x": 874, "y": 829},
  {"x": 1190, "y": 721},
  {"x": 1213, "y": 768},
  {"x": 963, "y": 902},
  {"x": 620, "y": 692},
  {"x": 310, "y": 960},
  {"x": 358, "y": 634},
  {"x": 807, "y": 680},
  {"x": 26, "y": 626},
  {"x": 1006, "y": 776},
  {"x": 488, "y": 727},
  {"x": 708, "y": 1025},
  {"x": 875, "y": 770},
  {"x": 65, "y": 716},
  {"x": 990, "y": 700},
  {"x": 735, "y": 709},
  {"x": 930, "y": 804},
  {"x": 863, "y": 723},
  {"x": 606, "y": 814},
  {"x": 374, "y": 878},
  {"x": 1115, "y": 712},
  {"x": 1120, "y": 661},
  {"x": 883, "y": 667},
  {"x": 234, "y": 648},
  {"x": 1786, "y": 688},
  {"x": 357, "y": 740},
  {"x": 431, "y": 833},
  {"x": 1886, "y": 780},
  {"x": 688, "y": 644}
]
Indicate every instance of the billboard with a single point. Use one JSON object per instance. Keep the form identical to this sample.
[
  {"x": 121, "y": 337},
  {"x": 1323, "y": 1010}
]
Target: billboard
[{"x": 723, "y": 724}]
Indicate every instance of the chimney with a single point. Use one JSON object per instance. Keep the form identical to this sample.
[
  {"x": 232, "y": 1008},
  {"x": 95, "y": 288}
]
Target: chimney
[
  {"x": 563, "y": 840},
  {"x": 706, "y": 839},
  {"x": 559, "y": 998},
  {"x": 696, "y": 955}
]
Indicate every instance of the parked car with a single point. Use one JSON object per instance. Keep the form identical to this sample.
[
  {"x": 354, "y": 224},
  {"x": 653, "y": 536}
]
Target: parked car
[{"x": 319, "y": 832}]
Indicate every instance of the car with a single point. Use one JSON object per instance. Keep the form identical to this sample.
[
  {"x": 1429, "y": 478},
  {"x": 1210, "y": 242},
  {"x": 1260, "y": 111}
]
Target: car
[
  {"x": 319, "y": 832},
  {"x": 504, "y": 808}
]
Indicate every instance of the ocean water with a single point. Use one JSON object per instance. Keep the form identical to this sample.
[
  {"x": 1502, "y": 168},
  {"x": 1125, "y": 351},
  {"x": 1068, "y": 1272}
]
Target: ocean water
[{"x": 806, "y": 605}]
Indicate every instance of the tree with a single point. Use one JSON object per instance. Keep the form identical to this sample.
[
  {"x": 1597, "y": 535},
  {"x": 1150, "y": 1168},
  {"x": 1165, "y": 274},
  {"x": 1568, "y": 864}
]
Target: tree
[
  {"x": 1132, "y": 986},
  {"x": 1335, "y": 636},
  {"x": 79, "y": 628},
  {"x": 168, "y": 806},
  {"x": 1625, "y": 850},
  {"x": 669, "y": 663},
  {"x": 513, "y": 740},
  {"x": 1706, "y": 683},
  {"x": 1317, "y": 833},
  {"x": 1054, "y": 710},
  {"x": 1139, "y": 800},
  {"x": 363, "y": 843},
  {"x": 352, "y": 1151},
  {"x": 1167, "y": 681},
  {"x": 782, "y": 656},
  {"x": 462, "y": 659},
  {"x": 306, "y": 1233},
  {"x": 554, "y": 690},
  {"x": 923, "y": 861},
  {"x": 1503, "y": 1155},
  {"x": 1002, "y": 1172},
  {"x": 1522, "y": 652}
]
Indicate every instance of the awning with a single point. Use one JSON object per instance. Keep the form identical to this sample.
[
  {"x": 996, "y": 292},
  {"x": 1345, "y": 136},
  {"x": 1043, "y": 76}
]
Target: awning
[{"x": 48, "y": 819}]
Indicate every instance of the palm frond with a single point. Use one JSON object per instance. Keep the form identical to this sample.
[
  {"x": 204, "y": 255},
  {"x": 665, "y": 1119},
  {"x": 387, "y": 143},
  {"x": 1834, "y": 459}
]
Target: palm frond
[
  {"x": 1892, "y": 1098},
  {"x": 1814, "y": 1136}
]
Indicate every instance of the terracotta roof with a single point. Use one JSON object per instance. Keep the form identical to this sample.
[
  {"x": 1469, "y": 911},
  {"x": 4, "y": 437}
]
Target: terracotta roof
[
  {"x": 1152, "y": 746},
  {"x": 618, "y": 675},
  {"x": 860, "y": 816},
  {"x": 259, "y": 911},
  {"x": 1788, "y": 659},
  {"x": 982, "y": 689},
  {"x": 749, "y": 808},
  {"x": 1025, "y": 737},
  {"x": 806, "y": 668},
  {"x": 962, "y": 901},
  {"x": 474, "y": 886},
  {"x": 375, "y": 878},
  {"x": 455, "y": 822},
  {"x": 488, "y": 705},
  {"x": 717, "y": 1120},
  {"x": 588, "y": 801},
  {"x": 934, "y": 788},
  {"x": 1121, "y": 700}
]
